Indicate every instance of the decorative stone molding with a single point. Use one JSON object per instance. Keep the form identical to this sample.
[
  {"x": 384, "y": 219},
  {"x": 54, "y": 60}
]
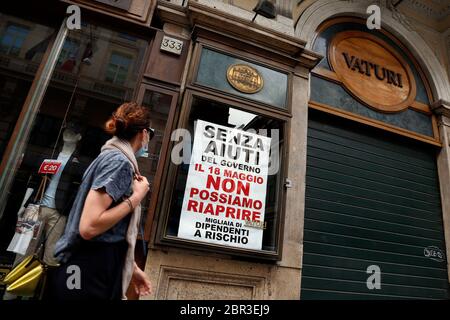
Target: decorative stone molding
[
  {"x": 447, "y": 49},
  {"x": 442, "y": 109},
  {"x": 444, "y": 121},
  {"x": 230, "y": 20},
  {"x": 280, "y": 24},
  {"x": 389, "y": 5},
  {"x": 184, "y": 283},
  {"x": 433, "y": 10},
  {"x": 427, "y": 8},
  {"x": 284, "y": 7},
  {"x": 396, "y": 14}
]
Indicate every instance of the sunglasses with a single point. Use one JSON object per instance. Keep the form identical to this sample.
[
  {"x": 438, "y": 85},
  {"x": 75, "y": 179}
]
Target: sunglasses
[{"x": 151, "y": 131}]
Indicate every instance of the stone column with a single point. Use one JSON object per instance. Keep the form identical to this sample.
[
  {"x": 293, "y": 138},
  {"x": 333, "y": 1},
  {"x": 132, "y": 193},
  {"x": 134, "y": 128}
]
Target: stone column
[
  {"x": 442, "y": 109},
  {"x": 295, "y": 195}
]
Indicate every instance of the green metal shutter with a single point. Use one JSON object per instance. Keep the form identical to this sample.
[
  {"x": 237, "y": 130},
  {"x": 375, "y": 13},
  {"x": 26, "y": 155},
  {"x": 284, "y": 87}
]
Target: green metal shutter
[{"x": 372, "y": 198}]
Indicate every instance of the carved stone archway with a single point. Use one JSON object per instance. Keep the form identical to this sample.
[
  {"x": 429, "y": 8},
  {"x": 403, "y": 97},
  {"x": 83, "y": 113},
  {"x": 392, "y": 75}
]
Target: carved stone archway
[
  {"x": 398, "y": 25},
  {"x": 391, "y": 20}
]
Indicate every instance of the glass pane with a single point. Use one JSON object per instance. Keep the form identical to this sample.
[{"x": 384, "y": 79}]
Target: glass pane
[
  {"x": 118, "y": 67},
  {"x": 13, "y": 38},
  {"x": 17, "y": 70},
  {"x": 159, "y": 105},
  {"x": 110, "y": 73},
  {"x": 81, "y": 73},
  {"x": 7, "y": 42},
  {"x": 228, "y": 116},
  {"x": 23, "y": 44},
  {"x": 69, "y": 54},
  {"x": 272, "y": 93},
  {"x": 121, "y": 77},
  {"x": 332, "y": 94}
]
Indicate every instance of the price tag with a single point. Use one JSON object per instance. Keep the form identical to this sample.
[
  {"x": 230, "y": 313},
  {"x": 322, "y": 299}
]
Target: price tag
[
  {"x": 49, "y": 166},
  {"x": 171, "y": 45}
]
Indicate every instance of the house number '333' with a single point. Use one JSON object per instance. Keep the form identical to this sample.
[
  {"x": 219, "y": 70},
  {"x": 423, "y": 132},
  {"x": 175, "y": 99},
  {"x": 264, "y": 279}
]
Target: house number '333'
[{"x": 171, "y": 45}]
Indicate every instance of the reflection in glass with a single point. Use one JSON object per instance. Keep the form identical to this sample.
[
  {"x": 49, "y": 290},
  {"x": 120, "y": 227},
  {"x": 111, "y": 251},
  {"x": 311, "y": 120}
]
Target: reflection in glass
[
  {"x": 159, "y": 105},
  {"x": 21, "y": 51},
  {"x": 118, "y": 67},
  {"x": 78, "y": 101},
  {"x": 22, "y": 46},
  {"x": 69, "y": 54},
  {"x": 13, "y": 39}
]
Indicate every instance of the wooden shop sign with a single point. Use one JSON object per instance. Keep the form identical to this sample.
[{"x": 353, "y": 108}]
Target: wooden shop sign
[{"x": 372, "y": 71}]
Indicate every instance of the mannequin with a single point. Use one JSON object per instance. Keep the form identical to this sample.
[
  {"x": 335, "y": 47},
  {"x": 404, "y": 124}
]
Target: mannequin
[
  {"x": 58, "y": 196},
  {"x": 70, "y": 143},
  {"x": 51, "y": 208}
]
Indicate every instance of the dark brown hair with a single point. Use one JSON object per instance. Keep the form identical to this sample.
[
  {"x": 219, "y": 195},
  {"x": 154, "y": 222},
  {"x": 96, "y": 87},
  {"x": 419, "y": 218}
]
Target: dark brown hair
[{"x": 128, "y": 120}]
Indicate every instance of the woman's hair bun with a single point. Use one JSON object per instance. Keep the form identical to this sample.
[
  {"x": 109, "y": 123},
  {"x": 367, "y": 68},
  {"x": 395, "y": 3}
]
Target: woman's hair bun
[
  {"x": 114, "y": 125},
  {"x": 120, "y": 125},
  {"x": 128, "y": 120}
]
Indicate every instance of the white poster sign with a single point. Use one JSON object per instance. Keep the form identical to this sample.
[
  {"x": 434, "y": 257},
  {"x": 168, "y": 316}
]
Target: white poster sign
[{"x": 224, "y": 199}]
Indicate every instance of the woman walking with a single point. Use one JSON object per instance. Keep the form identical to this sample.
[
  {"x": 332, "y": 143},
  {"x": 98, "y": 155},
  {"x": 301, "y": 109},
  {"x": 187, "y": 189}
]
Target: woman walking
[{"x": 96, "y": 251}]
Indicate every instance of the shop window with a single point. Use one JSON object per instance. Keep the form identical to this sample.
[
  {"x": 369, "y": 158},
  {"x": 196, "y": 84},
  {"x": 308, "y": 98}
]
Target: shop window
[
  {"x": 17, "y": 71},
  {"x": 13, "y": 38},
  {"x": 118, "y": 67},
  {"x": 234, "y": 222},
  {"x": 161, "y": 103},
  {"x": 77, "y": 101}
]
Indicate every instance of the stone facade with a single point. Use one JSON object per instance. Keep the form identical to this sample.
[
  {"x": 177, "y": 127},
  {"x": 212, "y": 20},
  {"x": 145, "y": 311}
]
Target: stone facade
[{"x": 190, "y": 274}]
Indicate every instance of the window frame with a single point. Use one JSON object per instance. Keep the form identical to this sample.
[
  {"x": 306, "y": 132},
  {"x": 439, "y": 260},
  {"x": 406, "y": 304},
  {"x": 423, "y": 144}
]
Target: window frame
[
  {"x": 14, "y": 24},
  {"x": 119, "y": 53},
  {"x": 170, "y": 171},
  {"x": 248, "y": 57},
  {"x": 157, "y": 181}
]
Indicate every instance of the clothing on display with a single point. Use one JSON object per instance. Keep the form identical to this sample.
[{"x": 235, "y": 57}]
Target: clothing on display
[
  {"x": 60, "y": 192},
  {"x": 49, "y": 195}
]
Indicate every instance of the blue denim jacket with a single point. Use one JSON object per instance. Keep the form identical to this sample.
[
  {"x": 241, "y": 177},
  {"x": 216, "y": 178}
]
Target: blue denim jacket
[{"x": 112, "y": 172}]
